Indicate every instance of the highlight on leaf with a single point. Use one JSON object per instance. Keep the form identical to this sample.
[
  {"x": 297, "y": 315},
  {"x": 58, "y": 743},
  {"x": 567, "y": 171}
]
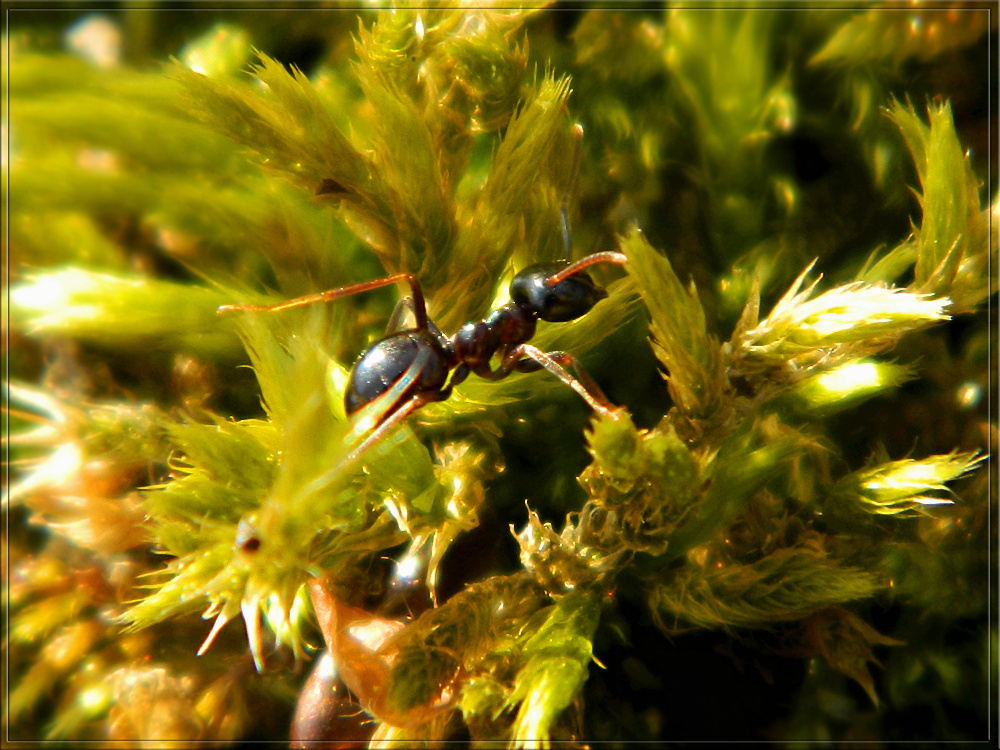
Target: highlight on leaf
[
  {"x": 850, "y": 321},
  {"x": 905, "y": 487},
  {"x": 848, "y": 384}
]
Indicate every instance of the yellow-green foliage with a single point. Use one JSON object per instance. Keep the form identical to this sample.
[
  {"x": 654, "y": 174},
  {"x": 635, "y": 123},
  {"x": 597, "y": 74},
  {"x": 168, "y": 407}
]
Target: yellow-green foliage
[{"x": 793, "y": 459}]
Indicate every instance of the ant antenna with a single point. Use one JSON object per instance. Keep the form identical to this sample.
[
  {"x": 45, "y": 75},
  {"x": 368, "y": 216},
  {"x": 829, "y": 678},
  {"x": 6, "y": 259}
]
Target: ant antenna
[
  {"x": 417, "y": 296},
  {"x": 615, "y": 258},
  {"x": 564, "y": 208}
]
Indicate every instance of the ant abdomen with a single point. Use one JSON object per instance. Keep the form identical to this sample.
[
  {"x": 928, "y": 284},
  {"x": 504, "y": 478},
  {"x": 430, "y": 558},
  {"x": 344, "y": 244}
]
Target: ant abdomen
[
  {"x": 386, "y": 361},
  {"x": 565, "y": 300}
]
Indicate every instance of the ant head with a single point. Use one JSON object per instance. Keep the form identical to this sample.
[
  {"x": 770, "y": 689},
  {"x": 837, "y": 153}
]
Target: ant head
[{"x": 565, "y": 300}]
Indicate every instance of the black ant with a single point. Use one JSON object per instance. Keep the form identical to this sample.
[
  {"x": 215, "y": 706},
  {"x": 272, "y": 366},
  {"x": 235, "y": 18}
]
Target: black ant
[{"x": 415, "y": 363}]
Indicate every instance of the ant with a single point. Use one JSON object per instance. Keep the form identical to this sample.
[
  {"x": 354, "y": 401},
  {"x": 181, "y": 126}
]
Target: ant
[{"x": 415, "y": 363}]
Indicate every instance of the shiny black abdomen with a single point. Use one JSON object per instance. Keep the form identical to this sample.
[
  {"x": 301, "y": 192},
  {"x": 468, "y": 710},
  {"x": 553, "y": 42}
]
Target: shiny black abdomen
[{"x": 385, "y": 362}]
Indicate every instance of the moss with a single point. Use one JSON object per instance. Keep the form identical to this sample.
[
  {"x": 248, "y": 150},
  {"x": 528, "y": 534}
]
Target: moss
[{"x": 789, "y": 471}]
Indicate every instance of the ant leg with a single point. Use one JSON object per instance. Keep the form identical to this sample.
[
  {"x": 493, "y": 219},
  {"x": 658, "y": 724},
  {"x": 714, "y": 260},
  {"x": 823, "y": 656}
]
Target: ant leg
[
  {"x": 385, "y": 427},
  {"x": 566, "y": 360},
  {"x": 393, "y": 421},
  {"x": 618, "y": 259},
  {"x": 395, "y": 411},
  {"x": 397, "y": 407},
  {"x": 419, "y": 308},
  {"x": 396, "y": 318},
  {"x": 377, "y": 434},
  {"x": 528, "y": 358}
]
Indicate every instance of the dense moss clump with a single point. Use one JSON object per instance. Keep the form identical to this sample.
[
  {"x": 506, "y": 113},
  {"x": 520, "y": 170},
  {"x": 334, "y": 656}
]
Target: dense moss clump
[{"x": 777, "y": 530}]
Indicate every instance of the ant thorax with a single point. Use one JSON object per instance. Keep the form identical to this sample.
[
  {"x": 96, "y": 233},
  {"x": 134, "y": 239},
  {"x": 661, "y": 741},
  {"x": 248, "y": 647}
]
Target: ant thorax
[{"x": 476, "y": 343}]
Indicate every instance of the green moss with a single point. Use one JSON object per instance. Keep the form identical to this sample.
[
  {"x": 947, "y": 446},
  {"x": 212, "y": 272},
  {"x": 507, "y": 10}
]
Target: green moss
[{"x": 803, "y": 221}]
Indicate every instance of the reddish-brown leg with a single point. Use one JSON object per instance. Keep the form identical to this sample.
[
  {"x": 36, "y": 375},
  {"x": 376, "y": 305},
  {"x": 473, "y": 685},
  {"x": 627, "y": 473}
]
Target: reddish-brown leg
[
  {"x": 393, "y": 421},
  {"x": 555, "y": 363}
]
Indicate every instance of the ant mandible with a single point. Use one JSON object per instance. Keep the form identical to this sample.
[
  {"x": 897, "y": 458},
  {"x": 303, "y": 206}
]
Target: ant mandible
[{"x": 415, "y": 363}]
